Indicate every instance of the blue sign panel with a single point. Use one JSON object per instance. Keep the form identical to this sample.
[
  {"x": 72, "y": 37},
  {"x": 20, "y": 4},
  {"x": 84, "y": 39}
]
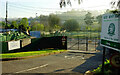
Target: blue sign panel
[{"x": 35, "y": 34}]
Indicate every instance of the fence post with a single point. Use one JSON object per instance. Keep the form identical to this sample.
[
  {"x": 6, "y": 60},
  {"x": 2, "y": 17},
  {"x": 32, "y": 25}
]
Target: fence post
[
  {"x": 78, "y": 42},
  {"x": 95, "y": 43},
  {"x": 86, "y": 43}
]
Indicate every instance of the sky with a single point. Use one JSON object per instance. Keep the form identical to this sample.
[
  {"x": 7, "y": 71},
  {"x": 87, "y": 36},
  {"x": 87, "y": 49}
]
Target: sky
[{"x": 29, "y": 8}]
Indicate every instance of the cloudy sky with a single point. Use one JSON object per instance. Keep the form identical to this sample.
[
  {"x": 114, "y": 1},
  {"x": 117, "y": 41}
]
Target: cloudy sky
[{"x": 29, "y": 8}]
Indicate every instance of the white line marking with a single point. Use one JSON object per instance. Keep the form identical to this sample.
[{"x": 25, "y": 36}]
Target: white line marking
[{"x": 32, "y": 68}]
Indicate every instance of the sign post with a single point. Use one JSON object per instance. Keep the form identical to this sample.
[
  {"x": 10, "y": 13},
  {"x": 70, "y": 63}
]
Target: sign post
[
  {"x": 103, "y": 59},
  {"x": 110, "y": 34}
]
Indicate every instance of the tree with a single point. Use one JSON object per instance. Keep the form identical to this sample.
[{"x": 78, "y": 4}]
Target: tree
[
  {"x": 115, "y": 4},
  {"x": 23, "y": 25},
  {"x": 88, "y": 18},
  {"x": 99, "y": 19},
  {"x": 89, "y": 21},
  {"x": 44, "y": 21},
  {"x": 68, "y": 2},
  {"x": 53, "y": 20},
  {"x": 3, "y": 24},
  {"x": 14, "y": 25},
  {"x": 71, "y": 25},
  {"x": 40, "y": 27}
]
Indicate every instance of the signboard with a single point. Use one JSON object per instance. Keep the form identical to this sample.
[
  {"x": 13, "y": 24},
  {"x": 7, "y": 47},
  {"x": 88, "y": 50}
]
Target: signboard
[
  {"x": 26, "y": 42},
  {"x": 13, "y": 45},
  {"x": 35, "y": 34},
  {"x": 63, "y": 40},
  {"x": 110, "y": 34},
  {"x": 115, "y": 60}
]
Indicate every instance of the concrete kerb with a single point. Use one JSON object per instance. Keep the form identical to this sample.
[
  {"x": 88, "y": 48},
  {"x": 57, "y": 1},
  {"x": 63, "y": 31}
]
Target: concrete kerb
[
  {"x": 84, "y": 51},
  {"x": 18, "y": 58}
]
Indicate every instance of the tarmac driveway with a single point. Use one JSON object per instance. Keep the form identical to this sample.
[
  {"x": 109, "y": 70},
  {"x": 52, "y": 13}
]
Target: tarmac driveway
[{"x": 73, "y": 61}]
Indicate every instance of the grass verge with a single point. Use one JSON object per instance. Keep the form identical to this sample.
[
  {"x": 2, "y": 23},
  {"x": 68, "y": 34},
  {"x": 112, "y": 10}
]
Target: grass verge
[{"x": 29, "y": 53}]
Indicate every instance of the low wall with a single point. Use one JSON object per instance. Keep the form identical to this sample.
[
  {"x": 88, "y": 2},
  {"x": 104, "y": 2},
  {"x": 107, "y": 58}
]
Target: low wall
[{"x": 28, "y": 44}]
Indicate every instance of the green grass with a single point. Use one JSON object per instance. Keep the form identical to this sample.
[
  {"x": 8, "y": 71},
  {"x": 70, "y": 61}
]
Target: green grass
[
  {"x": 81, "y": 34},
  {"x": 25, "y": 54}
]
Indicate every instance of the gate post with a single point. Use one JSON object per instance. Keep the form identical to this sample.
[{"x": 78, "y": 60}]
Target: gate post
[
  {"x": 86, "y": 43},
  {"x": 95, "y": 43},
  {"x": 78, "y": 42}
]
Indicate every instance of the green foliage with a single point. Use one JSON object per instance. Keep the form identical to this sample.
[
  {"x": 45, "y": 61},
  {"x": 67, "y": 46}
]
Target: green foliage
[
  {"x": 14, "y": 25},
  {"x": 98, "y": 70},
  {"x": 38, "y": 27},
  {"x": 3, "y": 24},
  {"x": 107, "y": 70},
  {"x": 23, "y": 25},
  {"x": 44, "y": 19},
  {"x": 114, "y": 11},
  {"x": 13, "y": 36},
  {"x": 53, "y": 20},
  {"x": 71, "y": 25},
  {"x": 96, "y": 26},
  {"x": 99, "y": 19},
  {"x": 88, "y": 18},
  {"x": 57, "y": 27}
]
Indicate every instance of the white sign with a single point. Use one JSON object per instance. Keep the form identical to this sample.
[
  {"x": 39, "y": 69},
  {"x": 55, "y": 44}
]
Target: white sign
[
  {"x": 13, "y": 45},
  {"x": 25, "y": 42},
  {"x": 110, "y": 34}
]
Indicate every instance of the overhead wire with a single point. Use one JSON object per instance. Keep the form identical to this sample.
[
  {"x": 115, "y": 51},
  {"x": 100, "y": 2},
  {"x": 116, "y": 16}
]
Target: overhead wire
[
  {"x": 25, "y": 8},
  {"x": 38, "y": 8}
]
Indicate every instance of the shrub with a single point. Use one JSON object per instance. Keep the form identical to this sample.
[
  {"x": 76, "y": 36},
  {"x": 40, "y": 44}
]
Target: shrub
[{"x": 107, "y": 68}]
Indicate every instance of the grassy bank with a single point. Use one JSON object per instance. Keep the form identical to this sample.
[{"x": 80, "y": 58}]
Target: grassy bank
[
  {"x": 81, "y": 34},
  {"x": 29, "y": 53}
]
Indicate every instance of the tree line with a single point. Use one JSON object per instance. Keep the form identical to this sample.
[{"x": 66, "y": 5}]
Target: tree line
[{"x": 55, "y": 22}]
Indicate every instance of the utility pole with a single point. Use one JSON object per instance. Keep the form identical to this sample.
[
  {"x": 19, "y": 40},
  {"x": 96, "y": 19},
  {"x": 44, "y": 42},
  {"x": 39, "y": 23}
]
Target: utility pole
[
  {"x": 6, "y": 16},
  {"x": 36, "y": 21},
  {"x": 6, "y": 12}
]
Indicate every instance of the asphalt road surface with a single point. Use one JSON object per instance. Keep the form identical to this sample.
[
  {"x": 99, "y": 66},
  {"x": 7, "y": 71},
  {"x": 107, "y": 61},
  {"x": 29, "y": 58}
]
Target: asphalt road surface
[{"x": 68, "y": 62}]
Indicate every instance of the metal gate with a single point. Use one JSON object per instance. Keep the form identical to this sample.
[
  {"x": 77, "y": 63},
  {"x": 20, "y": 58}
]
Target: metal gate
[{"x": 82, "y": 43}]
